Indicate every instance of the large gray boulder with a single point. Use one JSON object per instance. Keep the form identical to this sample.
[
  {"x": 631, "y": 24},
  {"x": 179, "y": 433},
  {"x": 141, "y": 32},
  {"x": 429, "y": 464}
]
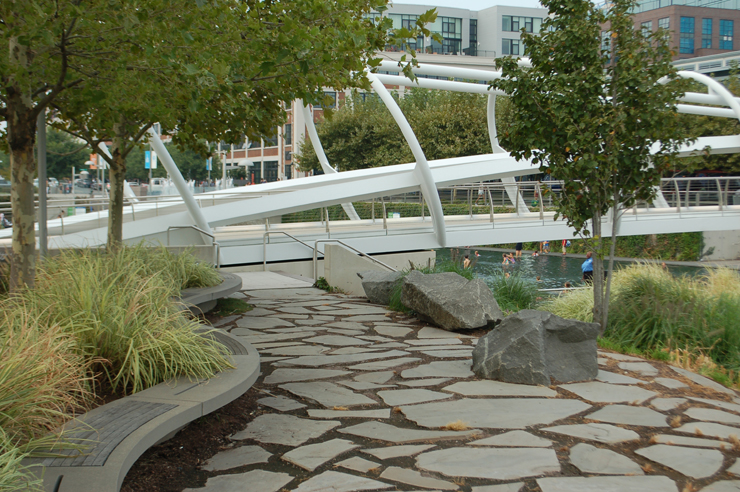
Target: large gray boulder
[
  {"x": 379, "y": 285},
  {"x": 450, "y": 301},
  {"x": 531, "y": 346}
]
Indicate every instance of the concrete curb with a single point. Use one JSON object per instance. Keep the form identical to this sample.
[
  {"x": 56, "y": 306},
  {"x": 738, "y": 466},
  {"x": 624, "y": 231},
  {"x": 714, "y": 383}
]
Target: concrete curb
[
  {"x": 202, "y": 299},
  {"x": 121, "y": 431}
]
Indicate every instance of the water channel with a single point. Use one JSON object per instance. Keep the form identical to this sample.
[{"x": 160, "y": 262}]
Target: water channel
[{"x": 554, "y": 269}]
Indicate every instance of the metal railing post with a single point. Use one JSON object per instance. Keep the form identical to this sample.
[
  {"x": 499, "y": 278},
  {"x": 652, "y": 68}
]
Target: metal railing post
[
  {"x": 328, "y": 233},
  {"x": 678, "y": 197},
  {"x": 422, "y": 208},
  {"x": 490, "y": 200},
  {"x": 372, "y": 210},
  {"x": 542, "y": 205},
  {"x": 385, "y": 215},
  {"x": 719, "y": 194},
  {"x": 133, "y": 212}
]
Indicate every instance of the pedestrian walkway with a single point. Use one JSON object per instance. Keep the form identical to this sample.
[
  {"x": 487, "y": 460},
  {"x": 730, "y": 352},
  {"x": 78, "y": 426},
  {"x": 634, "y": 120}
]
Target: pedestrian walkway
[{"x": 356, "y": 397}]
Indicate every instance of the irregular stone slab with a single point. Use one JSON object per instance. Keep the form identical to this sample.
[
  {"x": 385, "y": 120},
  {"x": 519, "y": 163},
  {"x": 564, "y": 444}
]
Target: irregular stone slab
[
  {"x": 358, "y": 464},
  {"x": 299, "y": 350},
  {"x": 440, "y": 369},
  {"x": 607, "y": 484},
  {"x": 622, "y": 357},
  {"x": 497, "y": 388},
  {"x": 667, "y": 404},
  {"x": 733, "y": 407},
  {"x": 605, "y": 433},
  {"x": 355, "y": 350},
  {"x": 342, "y": 331},
  {"x": 294, "y": 375},
  {"x": 297, "y": 329},
  {"x": 353, "y": 312},
  {"x": 701, "y": 380},
  {"x": 260, "y": 346},
  {"x": 392, "y": 331},
  {"x": 614, "y": 378},
  {"x": 688, "y": 441},
  {"x": 310, "y": 322},
  {"x": 258, "y": 312},
  {"x": 294, "y": 310},
  {"x": 448, "y": 354},
  {"x": 280, "y": 403},
  {"x": 392, "y": 345},
  {"x": 608, "y": 393},
  {"x": 312, "y": 456},
  {"x": 494, "y": 463},
  {"x": 233, "y": 458},
  {"x": 383, "y": 413},
  {"x": 640, "y": 367},
  {"x": 499, "y": 413},
  {"x": 325, "y": 360},
  {"x": 328, "y": 394},
  {"x": 505, "y": 487},
  {"x": 709, "y": 429},
  {"x": 337, "y": 340},
  {"x": 670, "y": 383},
  {"x": 602, "y": 361},
  {"x": 375, "y": 377},
  {"x": 259, "y": 480},
  {"x": 712, "y": 415},
  {"x": 331, "y": 481},
  {"x": 590, "y": 459},
  {"x": 723, "y": 486},
  {"x": 410, "y": 396},
  {"x": 448, "y": 348},
  {"x": 628, "y": 415},
  {"x": 415, "y": 383},
  {"x": 450, "y": 301},
  {"x": 414, "y": 478},
  {"x": 276, "y": 337},
  {"x": 243, "y": 332},
  {"x": 379, "y": 285},
  {"x": 384, "y": 364},
  {"x": 432, "y": 332},
  {"x": 262, "y": 323},
  {"x": 374, "y": 338},
  {"x": 362, "y": 385},
  {"x": 348, "y": 325},
  {"x": 514, "y": 439},
  {"x": 396, "y": 451},
  {"x": 692, "y": 462},
  {"x": 272, "y": 359},
  {"x": 426, "y": 342},
  {"x": 284, "y": 429},
  {"x": 363, "y": 318},
  {"x": 530, "y": 347},
  {"x": 391, "y": 433}
]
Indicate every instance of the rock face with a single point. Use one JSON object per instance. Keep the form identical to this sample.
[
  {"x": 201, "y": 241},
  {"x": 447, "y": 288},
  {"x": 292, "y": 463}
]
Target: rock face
[
  {"x": 450, "y": 301},
  {"x": 379, "y": 285},
  {"x": 531, "y": 346}
]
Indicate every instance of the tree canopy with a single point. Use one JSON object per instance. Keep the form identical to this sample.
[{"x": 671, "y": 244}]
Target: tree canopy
[{"x": 591, "y": 112}]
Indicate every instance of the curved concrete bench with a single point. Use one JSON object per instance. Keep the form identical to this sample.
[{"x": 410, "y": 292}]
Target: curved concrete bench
[
  {"x": 203, "y": 299},
  {"x": 122, "y": 430}
]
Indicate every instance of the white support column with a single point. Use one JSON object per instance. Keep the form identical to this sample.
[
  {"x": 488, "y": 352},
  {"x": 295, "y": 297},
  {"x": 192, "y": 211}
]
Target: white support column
[
  {"x": 422, "y": 171},
  {"x": 511, "y": 190},
  {"x": 182, "y": 187},
  {"x": 325, "y": 166}
]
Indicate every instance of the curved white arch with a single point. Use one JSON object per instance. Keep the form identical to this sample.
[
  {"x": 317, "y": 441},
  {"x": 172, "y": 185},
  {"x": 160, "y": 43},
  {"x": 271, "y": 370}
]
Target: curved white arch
[
  {"x": 325, "y": 166},
  {"x": 720, "y": 90},
  {"x": 421, "y": 170}
]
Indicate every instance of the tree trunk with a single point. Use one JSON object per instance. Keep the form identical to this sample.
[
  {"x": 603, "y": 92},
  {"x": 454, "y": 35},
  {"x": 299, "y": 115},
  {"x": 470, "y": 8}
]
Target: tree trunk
[
  {"x": 115, "y": 207},
  {"x": 21, "y": 123},
  {"x": 598, "y": 279}
]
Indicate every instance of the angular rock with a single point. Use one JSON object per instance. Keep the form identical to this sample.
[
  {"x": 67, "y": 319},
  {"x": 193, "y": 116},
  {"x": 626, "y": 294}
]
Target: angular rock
[
  {"x": 450, "y": 301},
  {"x": 712, "y": 415},
  {"x": 378, "y": 285},
  {"x": 531, "y": 346},
  {"x": 280, "y": 403},
  {"x": 328, "y": 394},
  {"x": 358, "y": 464},
  {"x": 514, "y": 439},
  {"x": 259, "y": 480},
  {"x": 233, "y": 458},
  {"x": 608, "y": 393},
  {"x": 605, "y": 433},
  {"x": 396, "y": 451},
  {"x": 391, "y": 433},
  {"x": 312, "y": 456},
  {"x": 629, "y": 415},
  {"x": 284, "y": 429}
]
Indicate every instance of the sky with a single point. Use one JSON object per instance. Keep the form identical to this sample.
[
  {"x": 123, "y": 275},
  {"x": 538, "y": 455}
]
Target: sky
[{"x": 471, "y": 4}]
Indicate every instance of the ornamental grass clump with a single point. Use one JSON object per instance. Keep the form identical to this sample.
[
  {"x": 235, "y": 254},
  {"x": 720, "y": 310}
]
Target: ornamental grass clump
[
  {"x": 513, "y": 293},
  {"x": 123, "y": 319}
]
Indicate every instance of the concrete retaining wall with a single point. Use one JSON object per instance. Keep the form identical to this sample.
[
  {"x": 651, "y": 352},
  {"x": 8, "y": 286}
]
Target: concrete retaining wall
[{"x": 726, "y": 245}]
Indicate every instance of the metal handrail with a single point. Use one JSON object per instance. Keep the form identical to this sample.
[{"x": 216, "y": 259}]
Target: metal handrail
[
  {"x": 266, "y": 235},
  {"x": 316, "y": 256},
  {"x": 217, "y": 246}
]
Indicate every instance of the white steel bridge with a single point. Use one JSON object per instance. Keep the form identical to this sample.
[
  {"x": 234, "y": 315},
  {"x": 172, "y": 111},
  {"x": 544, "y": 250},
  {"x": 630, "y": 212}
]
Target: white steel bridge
[{"x": 247, "y": 222}]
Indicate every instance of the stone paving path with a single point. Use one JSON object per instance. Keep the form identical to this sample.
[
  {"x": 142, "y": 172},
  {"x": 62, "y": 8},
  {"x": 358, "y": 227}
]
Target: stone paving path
[{"x": 359, "y": 398}]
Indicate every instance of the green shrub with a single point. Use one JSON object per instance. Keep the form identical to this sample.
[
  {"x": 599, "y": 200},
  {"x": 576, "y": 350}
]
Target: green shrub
[{"x": 513, "y": 293}]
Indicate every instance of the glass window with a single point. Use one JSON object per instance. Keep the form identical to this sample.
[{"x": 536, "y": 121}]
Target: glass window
[
  {"x": 271, "y": 141},
  {"x": 333, "y": 103},
  {"x": 271, "y": 170},
  {"x": 706, "y": 33},
  {"x": 513, "y": 23},
  {"x": 606, "y": 43},
  {"x": 473, "y": 46},
  {"x": 687, "y": 35},
  {"x": 288, "y": 155},
  {"x": 510, "y": 47},
  {"x": 664, "y": 23},
  {"x": 288, "y": 171},
  {"x": 726, "y": 33},
  {"x": 288, "y": 134},
  {"x": 647, "y": 28}
]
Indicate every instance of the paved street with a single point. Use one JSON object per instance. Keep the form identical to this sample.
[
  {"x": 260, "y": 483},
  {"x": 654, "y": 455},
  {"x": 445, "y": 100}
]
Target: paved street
[{"x": 355, "y": 397}]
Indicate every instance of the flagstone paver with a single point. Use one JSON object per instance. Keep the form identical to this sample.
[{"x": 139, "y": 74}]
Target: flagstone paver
[
  {"x": 499, "y": 413},
  {"x": 363, "y": 381},
  {"x": 692, "y": 462},
  {"x": 494, "y": 463},
  {"x": 590, "y": 459},
  {"x": 414, "y": 478}
]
